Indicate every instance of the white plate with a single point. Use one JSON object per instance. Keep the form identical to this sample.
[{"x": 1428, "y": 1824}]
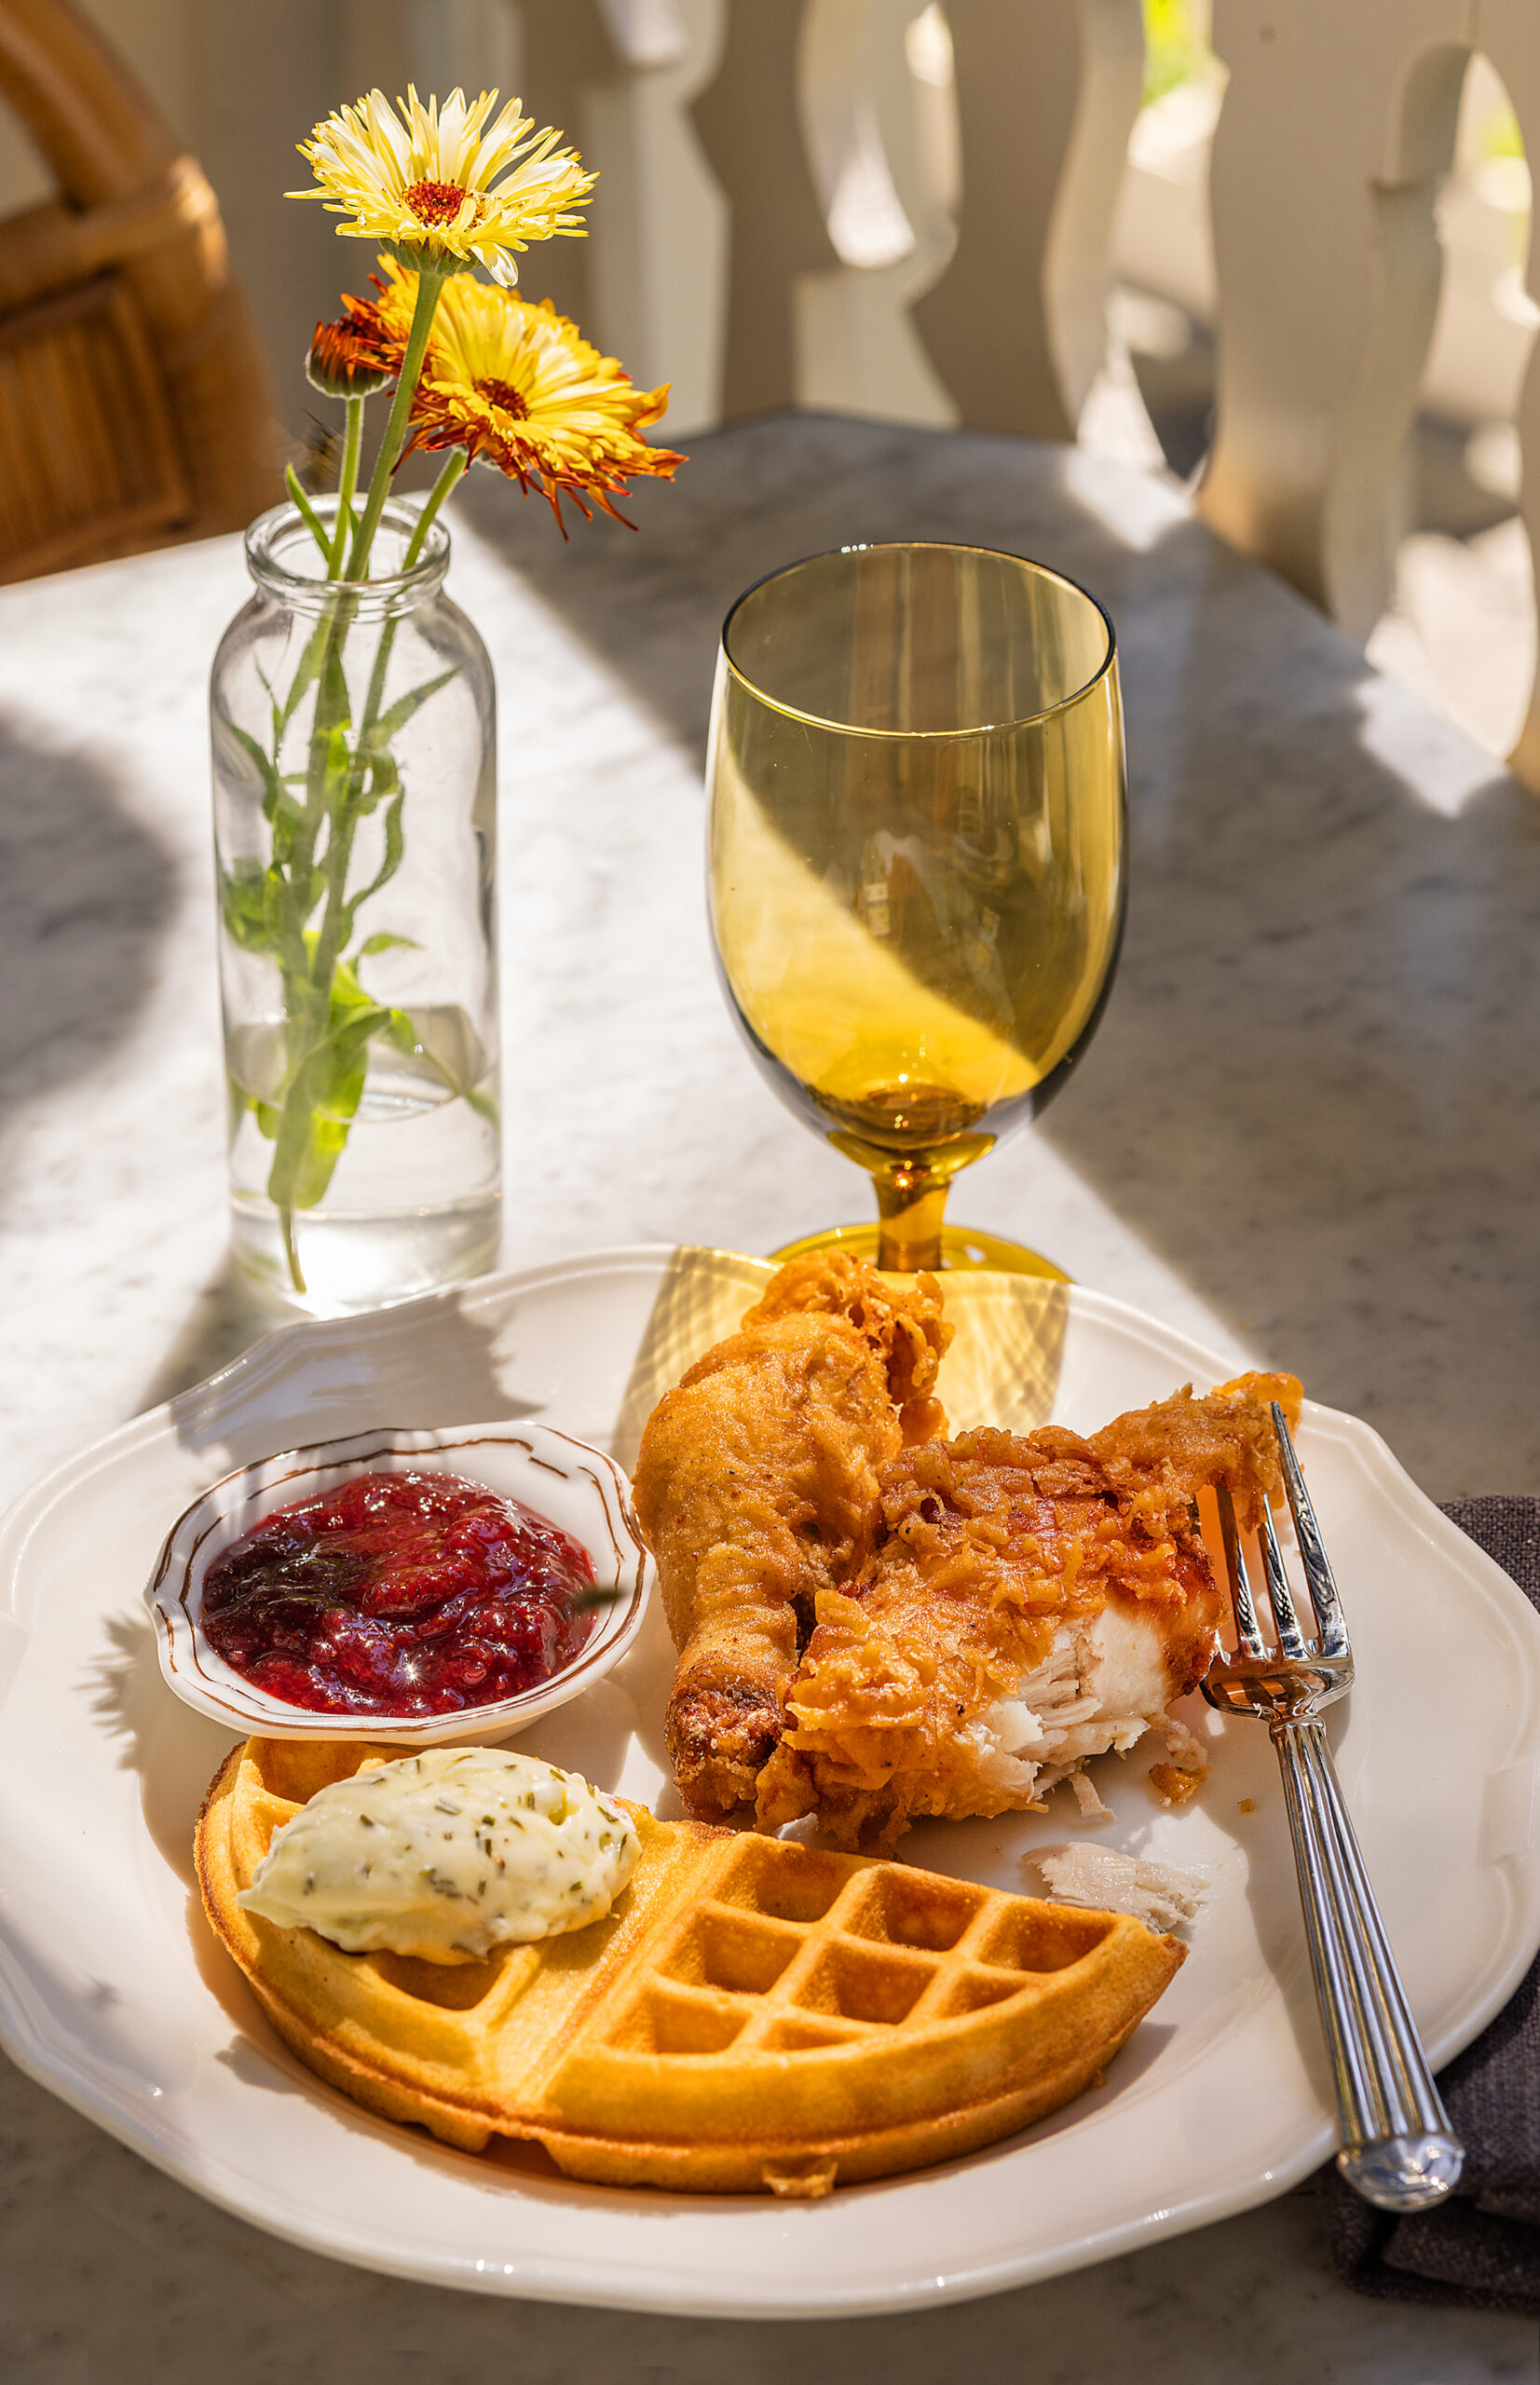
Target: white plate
[{"x": 113, "y": 1992}]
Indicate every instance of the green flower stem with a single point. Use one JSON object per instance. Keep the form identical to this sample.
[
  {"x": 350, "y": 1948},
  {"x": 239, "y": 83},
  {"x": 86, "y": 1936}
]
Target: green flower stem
[
  {"x": 291, "y": 1250},
  {"x": 347, "y": 482},
  {"x": 339, "y": 854},
  {"x": 341, "y": 838},
  {"x": 451, "y": 474},
  {"x": 309, "y": 984},
  {"x": 429, "y": 287},
  {"x": 375, "y": 697},
  {"x": 306, "y": 1003},
  {"x": 441, "y": 487}
]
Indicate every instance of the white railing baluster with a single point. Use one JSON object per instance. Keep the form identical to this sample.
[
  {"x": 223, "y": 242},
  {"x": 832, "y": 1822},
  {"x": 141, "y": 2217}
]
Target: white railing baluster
[
  {"x": 1336, "y": 128},
  {"x": 1509, "y": 33},
  {"x": 749, "y": 121},
  {"x": 1047, "y": 94},
  {"x": 883, "y": 185},
  {"x": 906, "y": 212},
  {"x": 649, "y": 282}
]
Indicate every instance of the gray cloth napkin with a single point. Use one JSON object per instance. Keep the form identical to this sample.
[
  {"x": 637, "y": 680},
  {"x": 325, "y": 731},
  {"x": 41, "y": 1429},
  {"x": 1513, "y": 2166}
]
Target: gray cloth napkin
[{"x": 1481, "y": 2249}]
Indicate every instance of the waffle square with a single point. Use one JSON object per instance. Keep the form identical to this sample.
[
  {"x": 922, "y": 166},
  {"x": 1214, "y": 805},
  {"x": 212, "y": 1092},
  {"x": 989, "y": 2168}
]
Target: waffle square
[{"x": 752, "y": 2015}]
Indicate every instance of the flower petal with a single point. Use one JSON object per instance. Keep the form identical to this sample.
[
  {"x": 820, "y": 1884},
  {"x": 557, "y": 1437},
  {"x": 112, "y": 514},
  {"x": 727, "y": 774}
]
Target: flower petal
[
  {"x": 424, "y": 180},
  {"x": 517, "y": 386}
]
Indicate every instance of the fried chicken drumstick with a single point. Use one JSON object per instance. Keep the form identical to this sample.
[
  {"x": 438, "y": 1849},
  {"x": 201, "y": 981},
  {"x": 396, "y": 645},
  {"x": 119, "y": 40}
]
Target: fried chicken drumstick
[
  {"x": 756, "y": 1489},
  {"x": 1031, "y": 1600}
]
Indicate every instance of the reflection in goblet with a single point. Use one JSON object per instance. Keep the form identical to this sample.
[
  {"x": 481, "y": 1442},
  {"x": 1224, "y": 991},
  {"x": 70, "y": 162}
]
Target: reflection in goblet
[{"x": 916, "y": 860}]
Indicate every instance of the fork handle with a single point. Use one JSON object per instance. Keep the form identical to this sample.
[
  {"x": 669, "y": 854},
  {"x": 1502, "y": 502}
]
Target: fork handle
[{"x": 1399, "y": 2150}]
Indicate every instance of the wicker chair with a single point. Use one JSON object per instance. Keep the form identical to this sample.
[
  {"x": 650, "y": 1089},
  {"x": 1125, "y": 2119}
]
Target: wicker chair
[{"x": 135, "y": 407}]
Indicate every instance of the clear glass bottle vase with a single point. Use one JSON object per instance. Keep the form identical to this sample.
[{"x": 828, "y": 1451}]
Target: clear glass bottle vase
[{"x": 355, "y": 783}]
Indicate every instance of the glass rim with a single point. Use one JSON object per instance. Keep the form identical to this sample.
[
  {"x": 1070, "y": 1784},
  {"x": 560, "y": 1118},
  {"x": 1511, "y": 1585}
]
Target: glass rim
[
  {"x": 913, "y": 546},
  {"x": 262, "y": 537}
]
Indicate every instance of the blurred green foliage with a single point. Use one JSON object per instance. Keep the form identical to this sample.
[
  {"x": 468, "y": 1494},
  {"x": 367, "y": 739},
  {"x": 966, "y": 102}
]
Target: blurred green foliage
[
  {"x": 1175, "y": 48},
  {"x": 1498, "y": 134},
  {"x": 1175, "y": 43}
]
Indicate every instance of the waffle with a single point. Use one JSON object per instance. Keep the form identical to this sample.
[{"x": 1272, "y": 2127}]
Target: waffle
[{"x": 753, "y": 2014}]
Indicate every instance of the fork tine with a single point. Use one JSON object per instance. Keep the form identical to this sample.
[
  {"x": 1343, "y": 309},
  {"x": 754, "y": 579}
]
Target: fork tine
[
  {"x": 1317, "y": 1571},
  {"x": 1240, "y": 1580},
  {"x": 1290, "y": 1638}
]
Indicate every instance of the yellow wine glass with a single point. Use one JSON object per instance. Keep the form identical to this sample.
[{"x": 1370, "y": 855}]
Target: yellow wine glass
[{"x": 917, "y": 860}]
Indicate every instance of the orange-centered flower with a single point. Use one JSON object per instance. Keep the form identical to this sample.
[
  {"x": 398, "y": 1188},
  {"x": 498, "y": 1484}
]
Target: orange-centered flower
[
  {"x": 426, "y": 182},
  {"x": 435, "y": 203},
  {"x": 518, "y": 387},
  {"x": 353, "y": 358},
  {"x": 504, "y": 397}
]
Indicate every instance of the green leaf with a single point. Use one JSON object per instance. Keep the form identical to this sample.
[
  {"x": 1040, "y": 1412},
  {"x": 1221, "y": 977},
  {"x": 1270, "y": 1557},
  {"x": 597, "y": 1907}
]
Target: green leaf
[
  {"x": 443, "y": 1045},
  {"x": 328, "y": 1024},
  {"x": 303, "y": 678},
  {"x": 402, "y": 1035},
  {"x": 339, "y": 765},
  {"x": 278, "y": 806},
  {"x": 237, "y": 1101},
  {"x": 272, "y": 786},
  {"x": 395, "y": 846},
  {"x": 316, "y": 1163},
  {"x": 334, "y": 684},
  {"x": 306, "y": 510},
  {"x": 397, "y": 715},
  {"x": 323, "y": 1095},
  {"x": 244, "y": 901},
  {"x": 378, "y": 778},
  {"x": 348, "y": 1000}
]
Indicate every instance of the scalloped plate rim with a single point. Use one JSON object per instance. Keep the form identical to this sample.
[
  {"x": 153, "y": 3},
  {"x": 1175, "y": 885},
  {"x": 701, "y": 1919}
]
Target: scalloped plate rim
[{"x": 675, "y": 2284}]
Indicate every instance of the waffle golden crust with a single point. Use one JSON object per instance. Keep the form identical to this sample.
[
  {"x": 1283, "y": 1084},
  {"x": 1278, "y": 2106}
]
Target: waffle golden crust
[{"x": 751, "y": 2015}]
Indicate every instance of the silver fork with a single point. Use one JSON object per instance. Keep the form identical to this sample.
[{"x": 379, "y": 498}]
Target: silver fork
[{"x": 1397, "y": 2147}]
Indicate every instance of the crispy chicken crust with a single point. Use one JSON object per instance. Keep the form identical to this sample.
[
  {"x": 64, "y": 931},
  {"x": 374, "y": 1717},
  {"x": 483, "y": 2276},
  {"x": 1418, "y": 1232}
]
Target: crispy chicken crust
[
  {"x": 755, "y": 1487},
  {"x": 903, "y": 1324},
  {"x": 1000, "y": 1551},
  {"x": 1164, "y": 1454}
]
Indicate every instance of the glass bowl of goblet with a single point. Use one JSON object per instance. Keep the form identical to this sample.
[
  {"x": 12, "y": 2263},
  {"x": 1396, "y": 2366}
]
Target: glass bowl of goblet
[{"x": 917, "y": 860}]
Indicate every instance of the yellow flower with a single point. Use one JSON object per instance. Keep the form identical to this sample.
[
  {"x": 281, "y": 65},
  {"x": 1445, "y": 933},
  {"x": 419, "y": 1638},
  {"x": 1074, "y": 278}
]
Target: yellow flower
[
  {"x": 426, "y": 188},
  {"x": 518, "y": 387}
]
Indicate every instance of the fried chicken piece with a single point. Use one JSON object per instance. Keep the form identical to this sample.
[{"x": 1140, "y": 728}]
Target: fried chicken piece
[
  {"x": 755, "y": 1487},
  {"x": 1164, "y": 1454},
  {"x": 1036, "y": 1600},
  {"x": 903, "y": 1324}
]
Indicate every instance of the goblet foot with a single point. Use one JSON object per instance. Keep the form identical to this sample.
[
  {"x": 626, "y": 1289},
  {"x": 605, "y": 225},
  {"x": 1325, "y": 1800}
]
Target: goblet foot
[{"x": 961, "y": 1246}]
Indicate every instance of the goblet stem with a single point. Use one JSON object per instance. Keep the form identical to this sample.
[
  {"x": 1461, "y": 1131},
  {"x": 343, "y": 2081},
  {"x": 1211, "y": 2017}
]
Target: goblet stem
[{"x": 911, "y": 1205}]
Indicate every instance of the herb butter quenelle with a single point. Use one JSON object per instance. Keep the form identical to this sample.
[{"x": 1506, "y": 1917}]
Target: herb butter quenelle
[{"x": 446, "y": 1856}]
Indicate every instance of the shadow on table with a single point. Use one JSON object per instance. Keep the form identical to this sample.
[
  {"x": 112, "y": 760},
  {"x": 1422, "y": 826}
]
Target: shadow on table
[
  {"x": 231, "y": 1311},
  {"x": 1312, "y": 1094},
  {"x": 86, "y": 892},
  {"x": 414, "y": 1365}
]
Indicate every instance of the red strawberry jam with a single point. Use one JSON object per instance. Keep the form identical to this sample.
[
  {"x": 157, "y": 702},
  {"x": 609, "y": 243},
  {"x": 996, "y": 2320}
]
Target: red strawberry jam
[{"x": 398, "y": 1594}]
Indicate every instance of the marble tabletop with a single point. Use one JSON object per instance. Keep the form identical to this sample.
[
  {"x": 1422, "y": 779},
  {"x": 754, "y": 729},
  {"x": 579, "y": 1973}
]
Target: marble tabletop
[{"x": 1307, "y": 1132}]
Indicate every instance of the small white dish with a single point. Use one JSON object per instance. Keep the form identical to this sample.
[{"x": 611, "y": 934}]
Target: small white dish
[{"x": 566, "y": 1481}]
